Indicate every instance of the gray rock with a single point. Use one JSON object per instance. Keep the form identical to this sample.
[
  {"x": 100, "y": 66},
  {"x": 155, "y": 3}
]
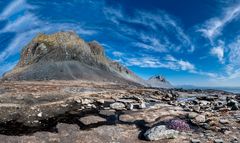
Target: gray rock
[
  {"x": 233, "y": 104},
  {"x": 224, "y": 121},
  {"x": 199, "y": 120},
  {"x": 196, "y": 108},
  {"x": 88, "y": 120},
  {"x": 206, "y": 126},
  {"x": 101, "y": 101},
  {"x": 204, "y": 103},
  {"x": 234, "y": 140},
  {"x": 142, "y": 105},
  {"x": 117, "y": 106},
  {"x": 219, "y": 104},
  {"x": 160, "y": 132},
  {"x": 85, "y": 101},
  {"x": 130, "y": 106},
  {"x": 195, "y": 141},
  {"x": 107, "y": 112},
  {"x": 218, "y": 141}
]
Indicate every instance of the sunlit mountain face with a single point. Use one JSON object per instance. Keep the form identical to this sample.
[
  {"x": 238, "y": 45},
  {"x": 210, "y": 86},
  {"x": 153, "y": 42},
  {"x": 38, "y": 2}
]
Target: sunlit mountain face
[{"x": 190, "y": 43}]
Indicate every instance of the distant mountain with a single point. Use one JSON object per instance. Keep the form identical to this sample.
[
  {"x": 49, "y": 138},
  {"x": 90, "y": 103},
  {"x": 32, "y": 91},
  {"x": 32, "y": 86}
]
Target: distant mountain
[
  {"x": 228, "y": 89},
  {"x": 159, "y": 81},
  {"x": 65, "y": 56}
]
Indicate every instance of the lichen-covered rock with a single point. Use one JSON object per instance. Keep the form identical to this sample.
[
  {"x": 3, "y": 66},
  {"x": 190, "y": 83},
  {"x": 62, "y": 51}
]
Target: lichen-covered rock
[{"x": 159, "y": 133}]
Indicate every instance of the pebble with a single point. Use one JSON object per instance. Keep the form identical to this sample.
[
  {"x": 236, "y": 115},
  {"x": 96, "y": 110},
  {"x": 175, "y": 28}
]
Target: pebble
[
  {"x": 200, "y": 118},
  {"x": 101, "y": 101},
  {"x": 86, "y": 101},
  {"x": 39, "y": 114},
  {"x": 192, "y": 115},
  {"x": 224, "y": 121},
  {"x": 117, "y": 106},
  {"x": 196, "y": 108},
  {"x": 234, "y": 140},
  {"x": 142, "y": 105},
  {"x": 195, "y": 141}
]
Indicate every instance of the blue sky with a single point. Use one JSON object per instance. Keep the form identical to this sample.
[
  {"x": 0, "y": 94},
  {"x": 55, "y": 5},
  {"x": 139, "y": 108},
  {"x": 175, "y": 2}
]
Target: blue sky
[{"x": 189, "y": 42}]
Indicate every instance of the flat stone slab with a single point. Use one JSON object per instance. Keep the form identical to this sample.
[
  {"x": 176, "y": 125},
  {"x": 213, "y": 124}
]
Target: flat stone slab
[{"x": 92, "y": 119}]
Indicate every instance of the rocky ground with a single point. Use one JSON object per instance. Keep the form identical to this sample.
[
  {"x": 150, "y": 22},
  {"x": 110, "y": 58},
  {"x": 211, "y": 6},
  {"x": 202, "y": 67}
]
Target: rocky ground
[{"x": 80, "y": 111}]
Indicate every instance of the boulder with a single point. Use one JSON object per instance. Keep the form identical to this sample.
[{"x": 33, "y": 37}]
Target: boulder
[{"x": 159, "y": 133}]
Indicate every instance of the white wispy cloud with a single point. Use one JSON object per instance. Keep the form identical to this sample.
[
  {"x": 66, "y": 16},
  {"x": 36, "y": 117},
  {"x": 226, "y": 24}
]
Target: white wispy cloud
[
  {"x": 218, "y": 52},
  {"x": 153, "y": 62},
  {"x": 233, "y": 65},
  {"x": 152, "y": 43},
  {"x": 234, "y": 50},
  {"x": 160, "y": 48},
  {"x": 226, "y": 53},
  {"x": 214, "y": 26},
  {"x": 170, "y": 58},
  {"x": 117, "y": 54},
  {"x": 113, "y": 14},
  {"x": 159, "y": 21},
  {"x": 167, "y": 62},
  {"x": 18, "y": 42},
  {"x": 204, "y": 73},
  {"x": 185, "y": 65},
  {"x": 231, "y": 69},
  {"x": 26, "y": 21},
  {"x": 13, "y": 8}
]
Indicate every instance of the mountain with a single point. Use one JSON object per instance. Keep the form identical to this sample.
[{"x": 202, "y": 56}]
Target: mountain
[
  {"x": 159, "y": 81},
  {"x": 65, "y": 56}
]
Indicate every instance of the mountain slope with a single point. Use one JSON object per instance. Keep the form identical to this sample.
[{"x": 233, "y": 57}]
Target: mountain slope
[{"x": 65, "y": 56}]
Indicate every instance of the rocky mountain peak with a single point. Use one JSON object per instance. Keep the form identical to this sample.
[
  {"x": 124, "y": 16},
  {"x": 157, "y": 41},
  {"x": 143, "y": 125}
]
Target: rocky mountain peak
[
  {"x": 159, "y": 78},
  {"x": 159, "y": 81},
  {"x": 65, "y": 56}
]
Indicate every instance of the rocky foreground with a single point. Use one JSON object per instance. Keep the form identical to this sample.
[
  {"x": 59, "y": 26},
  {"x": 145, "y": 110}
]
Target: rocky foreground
[{"x": 100, "y": 112}]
